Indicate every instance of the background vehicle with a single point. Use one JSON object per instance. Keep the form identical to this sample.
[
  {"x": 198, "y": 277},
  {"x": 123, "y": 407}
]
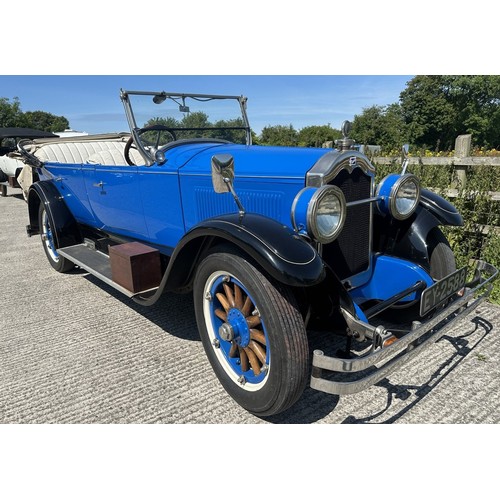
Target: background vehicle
[
  {"x": 10, "y": 167},
  {"x": 270, "y": 240}
]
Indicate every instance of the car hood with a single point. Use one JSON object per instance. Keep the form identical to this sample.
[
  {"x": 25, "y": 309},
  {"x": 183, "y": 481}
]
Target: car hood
[{"x": 254, "y": 161}]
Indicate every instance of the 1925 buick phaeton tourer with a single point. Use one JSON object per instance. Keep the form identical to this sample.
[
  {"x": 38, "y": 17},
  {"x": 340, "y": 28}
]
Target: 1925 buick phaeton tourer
[{"x": 271, "y": 241}]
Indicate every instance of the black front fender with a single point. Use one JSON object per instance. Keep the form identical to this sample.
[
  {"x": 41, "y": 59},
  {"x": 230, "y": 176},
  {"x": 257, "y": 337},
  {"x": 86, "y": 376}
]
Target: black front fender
[
  {"x": 409, "y": 238},
  {"x": 274, "y": 247},
  {"x": 444, "y": 212}
]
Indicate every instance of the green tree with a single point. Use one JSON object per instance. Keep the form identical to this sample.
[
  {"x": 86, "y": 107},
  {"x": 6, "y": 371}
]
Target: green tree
[
  {"x": 279, "y": 135},
  {"x": 160, "y": 138},
  {"x": 48, "y": 122},
  {"x": 255, "y": 138},
  {"x": 476, "y": 100},
  {"x": 316, "y": 135},
  {"x": 10, "y": 113},
  {"x": 195, "y": 120},
  {"x": 380, "y": 125},
  {"x": 428, "y": 112},
  {"x": 169, "y": 121},
  {"x": 198, "y": 120},
  {"x": 236, "y": 136},
  {"x": 438, "y": 108}
]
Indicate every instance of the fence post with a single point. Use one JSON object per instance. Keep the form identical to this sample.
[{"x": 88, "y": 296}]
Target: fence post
[{"x": 462, "y": 150}]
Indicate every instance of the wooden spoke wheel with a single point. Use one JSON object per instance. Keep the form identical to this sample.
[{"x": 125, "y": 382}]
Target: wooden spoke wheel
[
  {"x": 241, "y": 334},
  {"x": 252, "y": 332}
]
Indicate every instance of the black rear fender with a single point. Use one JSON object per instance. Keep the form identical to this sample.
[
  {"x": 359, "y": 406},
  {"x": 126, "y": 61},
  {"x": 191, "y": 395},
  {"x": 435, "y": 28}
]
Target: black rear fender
[{"x": 66, "y": 231}]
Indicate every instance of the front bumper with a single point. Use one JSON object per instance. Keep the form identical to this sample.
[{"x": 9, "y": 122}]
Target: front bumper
[{"x": 368, "y": 369}]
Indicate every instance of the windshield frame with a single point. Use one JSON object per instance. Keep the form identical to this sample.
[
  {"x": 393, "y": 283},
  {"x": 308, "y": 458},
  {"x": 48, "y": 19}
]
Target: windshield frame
[{"x": 134, "y": 129}]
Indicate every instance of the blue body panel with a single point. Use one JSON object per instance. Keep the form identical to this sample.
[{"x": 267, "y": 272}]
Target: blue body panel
[
  {"x": 390, "y": 275},
  {"x": 70, "y": 182},
  {"x": 159, "y": 204},
  {"x": 161, "y": 201},
  {"x": 267, "y": 179},
  {"x": 258, "y": 162}
]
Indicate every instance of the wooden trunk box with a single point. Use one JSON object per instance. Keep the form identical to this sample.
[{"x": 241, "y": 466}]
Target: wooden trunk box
[{"x": 135, "y": 266}]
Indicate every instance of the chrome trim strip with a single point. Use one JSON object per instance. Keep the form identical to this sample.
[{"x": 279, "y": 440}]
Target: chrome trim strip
[
  {"x": 363, "y": 202},
  {"x": 403, "y": 349},
  {"x": 252, "y": 177},
  {"x": 330, "y": 164}
]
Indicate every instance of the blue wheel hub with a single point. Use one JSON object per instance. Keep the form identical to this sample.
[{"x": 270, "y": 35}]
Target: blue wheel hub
[{"x": 240, "y": 328}]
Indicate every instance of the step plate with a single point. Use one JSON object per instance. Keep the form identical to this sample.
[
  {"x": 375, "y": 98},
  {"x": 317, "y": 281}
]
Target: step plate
[{"x": 97, "y": 264}]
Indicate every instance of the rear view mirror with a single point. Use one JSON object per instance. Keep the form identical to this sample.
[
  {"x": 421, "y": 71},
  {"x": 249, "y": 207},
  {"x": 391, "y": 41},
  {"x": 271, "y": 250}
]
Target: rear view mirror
[
  {"x": 223, "y": 177},
  {"x": 222, "y": 172}
]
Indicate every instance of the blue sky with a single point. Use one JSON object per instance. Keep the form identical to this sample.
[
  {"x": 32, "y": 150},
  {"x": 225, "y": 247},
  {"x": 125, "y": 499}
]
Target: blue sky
[{"x": 92, "y": 103}]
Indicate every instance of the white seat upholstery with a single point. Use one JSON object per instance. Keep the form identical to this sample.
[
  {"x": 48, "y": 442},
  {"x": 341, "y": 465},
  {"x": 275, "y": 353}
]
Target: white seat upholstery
[
  {"x": 115, "y": 157},
  {"x": 74, "y": 152},
  {"x": 94, "y": 152}
]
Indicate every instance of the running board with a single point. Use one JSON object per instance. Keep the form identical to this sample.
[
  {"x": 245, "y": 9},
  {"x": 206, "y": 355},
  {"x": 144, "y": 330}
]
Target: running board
[{"x": 97, "y": 264}]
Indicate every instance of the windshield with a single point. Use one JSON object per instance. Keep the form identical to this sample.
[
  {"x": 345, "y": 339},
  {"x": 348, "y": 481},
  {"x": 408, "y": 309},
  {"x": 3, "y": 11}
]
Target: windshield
[{"x": 157, "y": 119}]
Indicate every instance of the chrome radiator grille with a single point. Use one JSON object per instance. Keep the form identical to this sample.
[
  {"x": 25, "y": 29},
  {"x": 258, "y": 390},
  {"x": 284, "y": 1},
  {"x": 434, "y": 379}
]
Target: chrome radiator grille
[{"x": 349, "y": 254}]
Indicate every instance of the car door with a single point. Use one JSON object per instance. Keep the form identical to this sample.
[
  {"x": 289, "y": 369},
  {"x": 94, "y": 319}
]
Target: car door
[{"x": 115, "y": 198}]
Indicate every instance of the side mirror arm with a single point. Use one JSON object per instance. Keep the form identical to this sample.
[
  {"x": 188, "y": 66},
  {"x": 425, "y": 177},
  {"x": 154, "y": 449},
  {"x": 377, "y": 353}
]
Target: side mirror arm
[{"x": 223, "y": 176}]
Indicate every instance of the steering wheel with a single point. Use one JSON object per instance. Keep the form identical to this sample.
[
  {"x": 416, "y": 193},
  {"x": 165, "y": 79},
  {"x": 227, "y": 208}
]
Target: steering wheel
[{"x": 151, "y": 128}]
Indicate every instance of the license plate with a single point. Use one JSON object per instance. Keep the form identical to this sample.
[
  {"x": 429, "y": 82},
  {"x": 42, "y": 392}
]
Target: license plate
[{"x": 442, "y": 290}]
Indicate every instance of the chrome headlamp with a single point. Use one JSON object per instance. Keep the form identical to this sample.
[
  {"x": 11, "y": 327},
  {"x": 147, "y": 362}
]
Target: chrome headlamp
[
  {"x": 400, "y": 195},
  {"x": 320, "y": 212}
]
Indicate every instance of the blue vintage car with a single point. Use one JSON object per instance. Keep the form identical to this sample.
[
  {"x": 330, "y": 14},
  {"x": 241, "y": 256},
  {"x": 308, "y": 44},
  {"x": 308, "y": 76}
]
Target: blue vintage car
[{"x": 272, "y": 242}]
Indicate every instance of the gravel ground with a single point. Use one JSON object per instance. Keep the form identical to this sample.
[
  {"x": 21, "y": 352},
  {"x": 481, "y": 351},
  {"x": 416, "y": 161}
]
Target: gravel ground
[{"x": 72, "y": 350}]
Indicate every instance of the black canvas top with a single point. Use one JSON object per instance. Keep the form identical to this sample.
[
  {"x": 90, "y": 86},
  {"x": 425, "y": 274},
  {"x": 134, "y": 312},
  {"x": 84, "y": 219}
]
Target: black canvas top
[{"x": 28, "y": 133}]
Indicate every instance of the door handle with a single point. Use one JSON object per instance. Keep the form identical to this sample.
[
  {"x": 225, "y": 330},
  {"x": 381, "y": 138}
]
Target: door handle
[{"x": 99, "y": 185}]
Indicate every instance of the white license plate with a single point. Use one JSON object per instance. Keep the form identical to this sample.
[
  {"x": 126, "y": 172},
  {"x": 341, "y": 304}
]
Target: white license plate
[{"x": 442, "y": 290}]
